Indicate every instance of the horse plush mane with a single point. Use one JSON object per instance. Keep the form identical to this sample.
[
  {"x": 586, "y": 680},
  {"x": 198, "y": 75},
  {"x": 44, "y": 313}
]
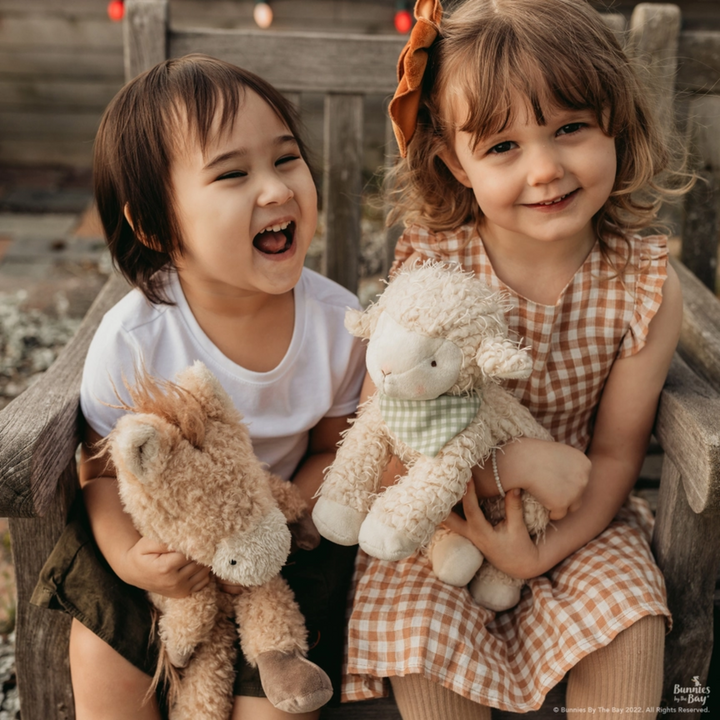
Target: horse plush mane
[{"x": 188, "y": 477}]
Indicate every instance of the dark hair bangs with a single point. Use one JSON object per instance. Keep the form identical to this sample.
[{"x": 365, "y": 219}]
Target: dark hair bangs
[{"x": 137, "y": 141}]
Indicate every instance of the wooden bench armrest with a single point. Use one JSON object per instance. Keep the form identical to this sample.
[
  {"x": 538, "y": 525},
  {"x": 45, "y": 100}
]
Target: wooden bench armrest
[
  {"x": 688, "y": 429},
  {"x": 700, "y": 335},
  {"x": 39, "y": 430}
]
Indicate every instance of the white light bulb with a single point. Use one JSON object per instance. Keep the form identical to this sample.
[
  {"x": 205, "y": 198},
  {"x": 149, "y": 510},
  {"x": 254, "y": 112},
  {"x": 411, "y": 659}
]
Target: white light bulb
[{"x": 263, "y": 15}]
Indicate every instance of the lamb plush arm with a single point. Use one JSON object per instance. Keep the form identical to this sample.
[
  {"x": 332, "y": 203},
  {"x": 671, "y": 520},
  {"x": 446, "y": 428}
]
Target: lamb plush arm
[
  {"x": 406, "y": 515},
  {"x": 355, "y": 474},
  {"x": 352, "y": 480},
  {"x": 506, "y": 419}
]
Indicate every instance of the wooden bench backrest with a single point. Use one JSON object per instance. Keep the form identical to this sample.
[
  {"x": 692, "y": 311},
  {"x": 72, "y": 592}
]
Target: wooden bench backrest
[{"x": 39, "y": 432}]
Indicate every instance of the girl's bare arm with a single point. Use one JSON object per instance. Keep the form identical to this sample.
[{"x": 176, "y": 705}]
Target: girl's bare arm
[
  {"x": 136, "y": 560},
  {"x": 324, "y": 438},
  {"x": 622, "y": 430}
]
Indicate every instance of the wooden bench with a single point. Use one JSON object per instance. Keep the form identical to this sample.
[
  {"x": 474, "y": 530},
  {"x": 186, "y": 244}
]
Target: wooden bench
[{"x": 40, "y": 430}]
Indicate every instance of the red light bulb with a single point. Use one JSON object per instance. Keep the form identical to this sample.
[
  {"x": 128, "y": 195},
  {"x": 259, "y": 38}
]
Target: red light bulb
[
  {"x": 403, "y": 21},
  {"x": 116, "y": 10}
]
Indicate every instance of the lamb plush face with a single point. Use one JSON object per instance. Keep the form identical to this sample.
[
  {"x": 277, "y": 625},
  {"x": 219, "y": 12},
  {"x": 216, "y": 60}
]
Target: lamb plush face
[
  {"x": 408, "y": 365},
  {"x": 437, "y": 330},
  {"x": 188, "y": 477}
]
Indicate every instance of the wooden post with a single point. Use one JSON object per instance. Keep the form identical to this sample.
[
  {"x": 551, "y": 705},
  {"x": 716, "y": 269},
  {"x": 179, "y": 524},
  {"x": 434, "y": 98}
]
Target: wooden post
[
  {"x": 41, "y": 646},
  {"x": 342, "y": 187},
  {"x": 687, "y": 550},
  {"x": 654, "y": 32},
  {"x": 145, "y": 31},
  {"x": 702, "y": 226}
]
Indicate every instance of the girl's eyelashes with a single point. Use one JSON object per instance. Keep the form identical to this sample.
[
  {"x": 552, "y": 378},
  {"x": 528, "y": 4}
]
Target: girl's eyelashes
[
  {"x": 501, "y": 148},
  {"x": 571, "y": 128},
  {"x": 286, "y": 159},
  {"x": 235, "y": 174},
  {"x": 232, "y": 175}
]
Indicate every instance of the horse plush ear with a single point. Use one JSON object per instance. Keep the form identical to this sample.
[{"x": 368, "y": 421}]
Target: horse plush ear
[
  {"x": 138, "y": 445},
  {"x": 502, "y": 358},
  {"x": 207, "y": 390}
]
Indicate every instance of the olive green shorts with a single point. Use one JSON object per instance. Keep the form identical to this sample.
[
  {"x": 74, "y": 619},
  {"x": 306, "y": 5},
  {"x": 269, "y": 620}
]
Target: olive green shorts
[{"x": 76, "y": 579}]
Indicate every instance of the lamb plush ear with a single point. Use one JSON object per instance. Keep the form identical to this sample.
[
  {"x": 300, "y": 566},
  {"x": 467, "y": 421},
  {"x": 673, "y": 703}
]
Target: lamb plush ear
[
  {"x": 137, "y": 445},
  {"x": 361, "y": 323},
  {"x": 502, "y": 358}
]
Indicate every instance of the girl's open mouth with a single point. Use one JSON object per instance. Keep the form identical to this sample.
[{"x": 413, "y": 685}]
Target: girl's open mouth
[{"x": 275, "y": 239}]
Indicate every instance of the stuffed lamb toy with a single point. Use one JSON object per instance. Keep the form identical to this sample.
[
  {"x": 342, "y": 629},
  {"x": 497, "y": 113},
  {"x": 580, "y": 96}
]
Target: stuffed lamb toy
[
  {"x": 188, "y": 477},
  {"x": 438, "y": 347}
]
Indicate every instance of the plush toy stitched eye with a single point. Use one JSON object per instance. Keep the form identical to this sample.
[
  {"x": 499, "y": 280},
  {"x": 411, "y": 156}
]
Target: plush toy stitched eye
[{"x": 433, "y": 364}]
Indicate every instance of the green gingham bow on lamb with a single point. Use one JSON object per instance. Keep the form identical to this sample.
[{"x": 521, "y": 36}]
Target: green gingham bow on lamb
[{"x": 427, "y": 425}]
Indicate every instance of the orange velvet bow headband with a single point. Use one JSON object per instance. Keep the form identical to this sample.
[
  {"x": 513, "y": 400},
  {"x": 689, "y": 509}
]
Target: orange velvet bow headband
[{"x": 411, "y": 68}]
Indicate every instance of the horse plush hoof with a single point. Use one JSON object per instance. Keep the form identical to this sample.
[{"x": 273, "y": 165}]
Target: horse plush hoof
[
  {"x": 384, "y": 542},
  {"x": 455, "y": 560},
  {"x": 338, "y": 523},
  {"x": 292, "y": 683}
]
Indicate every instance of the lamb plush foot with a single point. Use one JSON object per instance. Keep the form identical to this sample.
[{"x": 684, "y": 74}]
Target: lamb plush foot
[
  {"x": 495, "y": 590},
  {"x": 384, "y": 542},
  {"x": 455, "y": 560},
  {"x": 338, "y": 523},
  {"x": 292, "y": 683}
]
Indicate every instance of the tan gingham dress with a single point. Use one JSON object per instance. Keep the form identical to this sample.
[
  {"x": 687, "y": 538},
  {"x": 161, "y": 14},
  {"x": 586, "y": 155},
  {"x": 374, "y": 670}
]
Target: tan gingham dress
[{"x": 405, "y": 621}]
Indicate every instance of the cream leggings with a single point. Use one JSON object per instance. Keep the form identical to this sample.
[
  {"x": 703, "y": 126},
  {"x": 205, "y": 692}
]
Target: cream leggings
[{"x": 627, "y": 672}]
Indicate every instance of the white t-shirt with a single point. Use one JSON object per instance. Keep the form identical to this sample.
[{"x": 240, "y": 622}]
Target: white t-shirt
[{"x": 319, "y": 376}]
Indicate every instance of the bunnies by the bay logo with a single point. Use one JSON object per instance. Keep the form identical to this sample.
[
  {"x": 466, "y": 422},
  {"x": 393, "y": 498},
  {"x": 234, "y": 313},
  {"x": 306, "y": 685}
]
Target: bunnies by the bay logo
[{"x": 694, "y": 694}]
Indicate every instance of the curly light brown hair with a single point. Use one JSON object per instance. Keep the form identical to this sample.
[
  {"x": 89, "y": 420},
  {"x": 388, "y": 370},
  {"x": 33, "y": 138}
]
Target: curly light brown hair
[{"x": 556, "y": 54}]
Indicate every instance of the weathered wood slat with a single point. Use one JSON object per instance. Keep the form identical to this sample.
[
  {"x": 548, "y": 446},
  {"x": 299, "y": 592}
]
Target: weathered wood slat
[
  {"x": 41, "y": 654},
  {"x": 700, "y": 335},
  {"x": 302, "y": 62},
  {"x": 342, "y": 187},
  {"x": 699, "y": 61},
  {"x": 653, "y": 41},
  {"x": 701, "y": 229},
  {"x": 72, "y": 8},
  {"x": 52, "y": 31},
  {"x": 145, "y": 30},
  {"x": 687, "y": 549},
  {"x": 27, "y": 124},
  {"x": 39, "y": 429},
  {"x": 371, "y": 16},
  {"x": 381, "y": 709},
  {"x": 688, "y": 429},
  {"x": 50, "y": 97},
  {"x": 56, "y": 150},
  {"x": 65, "y": 64}
]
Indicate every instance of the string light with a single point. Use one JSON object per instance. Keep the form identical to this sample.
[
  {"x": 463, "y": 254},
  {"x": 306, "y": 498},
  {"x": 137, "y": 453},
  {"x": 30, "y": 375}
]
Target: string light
[
  {"x": 116, "y": 10},
  {"x": 263, "y": 14},
  {"x": 403, "y": 18}
]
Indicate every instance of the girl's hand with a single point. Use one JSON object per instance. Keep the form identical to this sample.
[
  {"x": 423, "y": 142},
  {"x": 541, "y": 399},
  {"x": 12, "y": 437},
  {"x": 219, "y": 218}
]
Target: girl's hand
[
  {"x": 556, "y": 474},
  {"x": 507, "y": 545},
  {"x": 153, "y": 567}
]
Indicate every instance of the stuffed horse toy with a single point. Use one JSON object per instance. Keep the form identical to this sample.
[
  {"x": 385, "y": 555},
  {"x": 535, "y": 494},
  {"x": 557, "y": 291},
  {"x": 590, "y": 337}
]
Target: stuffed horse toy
[
  {"x": 188, "y": 477},
  {"x": 438, "y": 347}
]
